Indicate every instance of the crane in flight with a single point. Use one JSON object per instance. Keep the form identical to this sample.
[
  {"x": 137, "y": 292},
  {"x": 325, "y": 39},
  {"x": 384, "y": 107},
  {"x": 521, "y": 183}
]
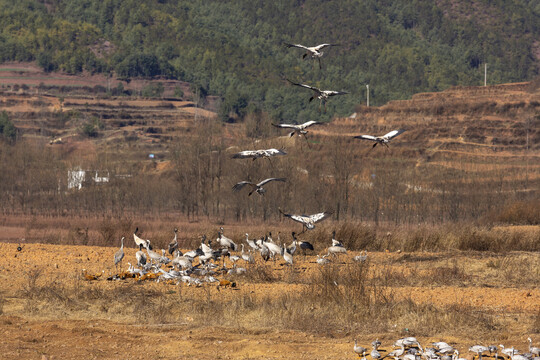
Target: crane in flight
[
  {"x": 256, "y": 187},
  {"x": 383, "y": 140},
  {"x": 307, "y": 221},
  {"x": 313, "y": 51},
  {"x": 322, "y": 95},
  {"x": 299, "y": 129}
]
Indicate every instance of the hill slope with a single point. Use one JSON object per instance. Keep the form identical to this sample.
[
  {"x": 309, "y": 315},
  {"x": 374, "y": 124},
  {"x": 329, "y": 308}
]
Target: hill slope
[{"x": 234, "y": 49}]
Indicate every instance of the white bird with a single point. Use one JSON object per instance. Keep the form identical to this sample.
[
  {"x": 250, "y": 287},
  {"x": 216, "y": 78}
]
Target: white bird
[
  {"x": 334, "y": 241},
  {"x": 533, "y": 349},
  {"x": 307, "y": 221},
  {"x": 362, "y": 257},
  {"x": 182, "y": 261},
  {"x": 455, "y": 356},
  {"x": 256, "y": 187},
  {"x": 251, "y": 243},
  {"x": 440, "y": 344},
  {"x": 383, "y": 140},
  {"x": 322, "y": 260},
  {"x": 478, "y": 349},
  {"x": 322, "y": 95},
  {"x": 396, "y": 353},
  {"x": 375, "y": 355},
  {"x": 297, "y": 129},
  {"x": 154, "y": 256},
  {"x": 446, "y": 350},
  {"x": 313, "y": 51},
  {"x": 255, "y": 154},
  {"x": 225, "y": 241},
  {"x": 141, "y": 258},
  {"x": 164, "y": 259},
  {"x": 138, "y": 241},
  {"x": 407, "y": 341},
  {"x": 508, "y": 351},
  {"x": 247, "y": 257},
  {"x": 119, "y": 255},
  {"x": 358, "y": 349},
  {"x": 273, "y": 249}
]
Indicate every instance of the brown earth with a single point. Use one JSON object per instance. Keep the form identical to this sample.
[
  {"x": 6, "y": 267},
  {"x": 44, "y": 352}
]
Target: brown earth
[
  {"x": 491, "y": 127},
  {"x": 65, "y": 333}
]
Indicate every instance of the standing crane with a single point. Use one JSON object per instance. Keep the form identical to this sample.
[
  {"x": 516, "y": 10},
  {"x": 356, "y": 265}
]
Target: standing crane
[{"x": 119, "y": 255}]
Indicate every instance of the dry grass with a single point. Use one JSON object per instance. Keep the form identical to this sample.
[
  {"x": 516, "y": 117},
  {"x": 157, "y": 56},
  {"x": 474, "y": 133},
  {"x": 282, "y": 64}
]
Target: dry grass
[{"x": 337, "y": 300}]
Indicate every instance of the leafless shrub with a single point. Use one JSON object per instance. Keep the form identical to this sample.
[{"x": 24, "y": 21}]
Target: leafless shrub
[
  {"x": 260, "y": 273},
  {"x": 448, "y": 275},
  {"x": 536, "y": 324}
]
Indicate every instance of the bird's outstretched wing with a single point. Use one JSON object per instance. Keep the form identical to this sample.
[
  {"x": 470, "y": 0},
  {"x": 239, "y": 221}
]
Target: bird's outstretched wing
[
  {"x": 322, "y": 46},
  {"x": 366, "y": 137},
  {"x": 245, "y": 154},
  {"x": 289, "y": 126},
  {"x": 266, "y": 181},
  {"x": 305, "y": 86},
  {"x": 299, "y": 218},
  {"x": 334, "y": 93},
  {"x": 393, "y": 134},
  {"x": 308, "y": 124},
  {"x": 274, "y": 152},
  {"x": 320, "y": 216},
  {"x": 296, "y": 45},
  {"x": 241, "y": 184}
]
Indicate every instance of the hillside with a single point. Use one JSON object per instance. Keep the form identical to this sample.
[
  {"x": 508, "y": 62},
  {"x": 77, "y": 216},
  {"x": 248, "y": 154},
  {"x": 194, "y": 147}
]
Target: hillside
[
  {"x": 234, "y": 49},
  {"x": 468, "y": 152}
]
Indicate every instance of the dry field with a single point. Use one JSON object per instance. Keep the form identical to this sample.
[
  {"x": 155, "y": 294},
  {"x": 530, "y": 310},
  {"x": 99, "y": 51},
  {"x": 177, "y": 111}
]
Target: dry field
[
  {"x": 446, "y": 258},
  {"x": 275, "y": 312}
]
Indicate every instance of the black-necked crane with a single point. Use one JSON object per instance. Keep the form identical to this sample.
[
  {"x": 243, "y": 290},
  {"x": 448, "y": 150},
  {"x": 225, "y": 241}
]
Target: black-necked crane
[
  {"x": 307, "y": 221},
  {"x": 313, "y": 51},
  {"x": 173, "y": 245},
  {"x": 299, "y": 129},
  {"x": 304, "y": 245},
  {"x": 255, "y": 154},
  {"x": 256, "y": 187},
  {"x": 138, "y": 241},
  {"x": 119, "y": 255},
  {"x": 224, "y": 241},
  {"x": 383, "y": 140},
  {"x": 334, "y": 241},
  {"x": 141, "y": 257},
  {"x": 322, "y": 95}
]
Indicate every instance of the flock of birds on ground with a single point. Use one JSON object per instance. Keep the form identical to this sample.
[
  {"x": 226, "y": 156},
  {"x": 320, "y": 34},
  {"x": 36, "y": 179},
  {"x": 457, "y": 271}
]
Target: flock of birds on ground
[
  {"x": 409, "y": 348},
  {"x": 203, "y": 264}
]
